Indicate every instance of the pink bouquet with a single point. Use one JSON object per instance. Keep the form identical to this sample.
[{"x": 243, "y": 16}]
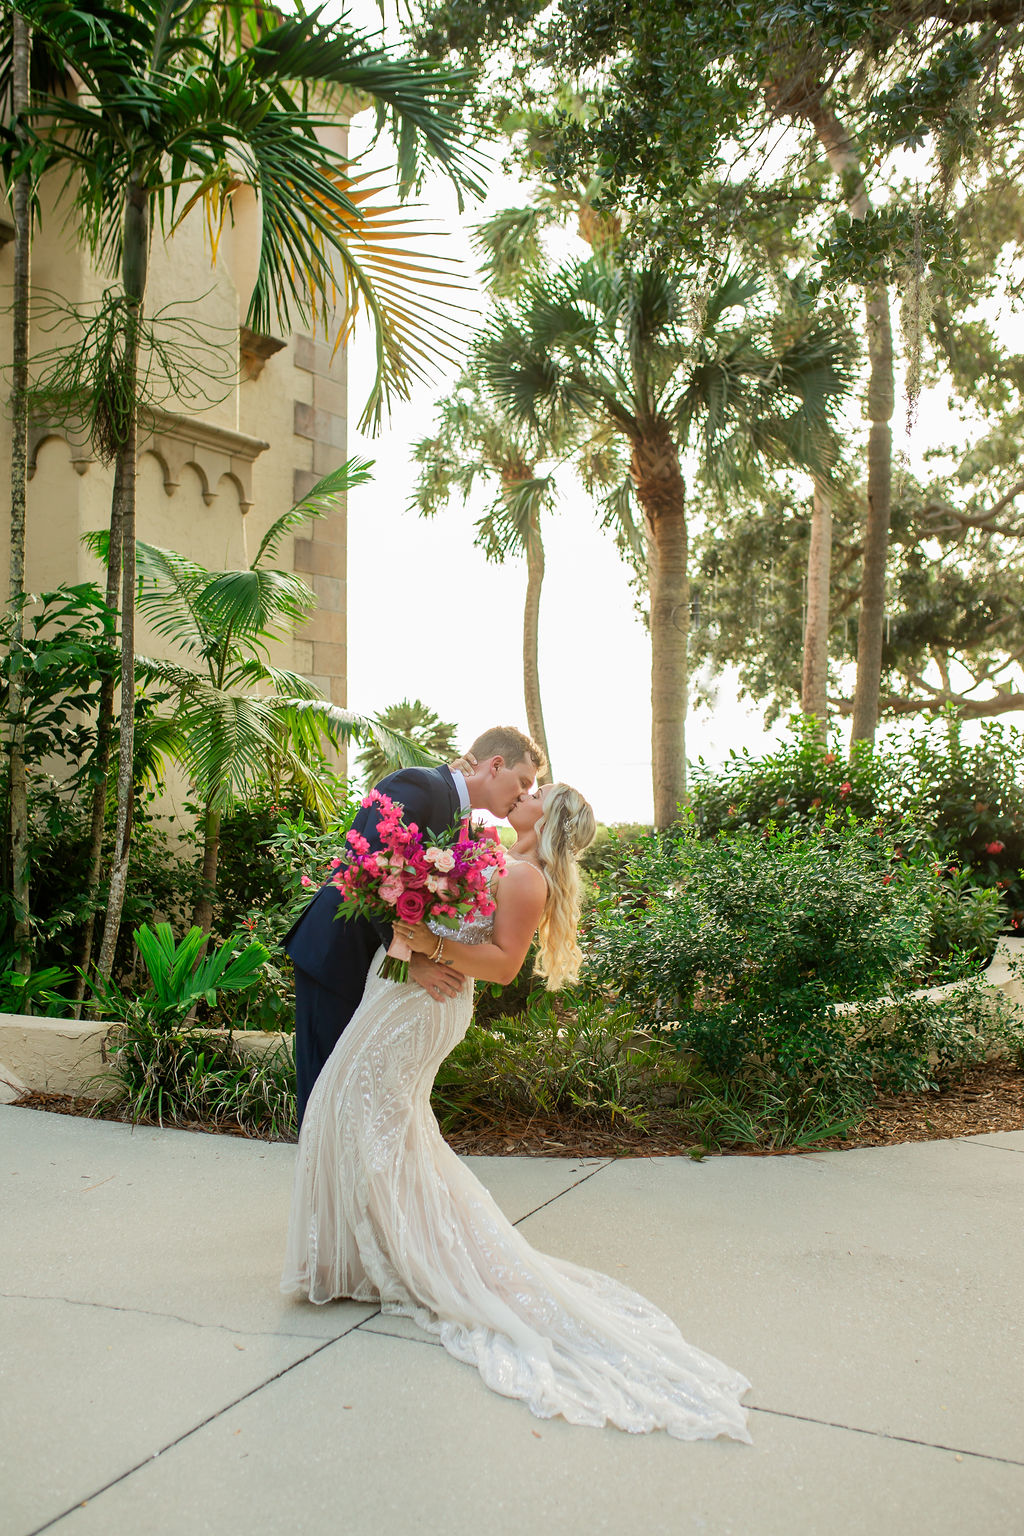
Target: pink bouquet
[{"x": 444, "y": 882}]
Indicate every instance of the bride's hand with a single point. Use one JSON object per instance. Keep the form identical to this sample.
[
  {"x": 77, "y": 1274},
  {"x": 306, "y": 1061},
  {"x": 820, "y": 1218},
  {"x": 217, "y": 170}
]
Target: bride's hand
[{"x": 418, "y": 937}]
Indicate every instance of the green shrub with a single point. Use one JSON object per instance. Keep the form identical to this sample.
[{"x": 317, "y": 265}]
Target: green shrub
[
  {"x": 187, "y": 1076},
  {"x": 964, "y": 802},
  {"x": 751, "y": 948},
  {"x": 802, "y": 782},
  {"x": 574, "y": 1057}
]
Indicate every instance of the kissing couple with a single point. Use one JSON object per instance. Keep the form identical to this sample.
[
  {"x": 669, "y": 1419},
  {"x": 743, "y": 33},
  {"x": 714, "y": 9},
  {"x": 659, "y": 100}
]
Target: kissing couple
[{"x": 383, "y": 1210}]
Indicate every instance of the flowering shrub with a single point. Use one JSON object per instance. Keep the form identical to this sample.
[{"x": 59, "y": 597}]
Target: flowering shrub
[
  {"x": 751, "y": 947},
  {"x": 963, "y": 802}
]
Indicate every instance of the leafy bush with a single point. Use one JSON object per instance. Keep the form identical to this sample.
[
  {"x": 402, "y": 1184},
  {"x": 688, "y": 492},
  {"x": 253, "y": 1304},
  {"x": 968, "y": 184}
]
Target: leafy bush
[
  {"x": 970, "y": 797},
  {"x": 181, "y": 976},
  {"x": 612, "y": 846},
  {"x": 964, "y": 802},
  {"x": 801, "y": 782},
  {"x": 185, "y": 1076},
  {"x": 584, "y": 1060},
  {"x": 752, "y": 947}
]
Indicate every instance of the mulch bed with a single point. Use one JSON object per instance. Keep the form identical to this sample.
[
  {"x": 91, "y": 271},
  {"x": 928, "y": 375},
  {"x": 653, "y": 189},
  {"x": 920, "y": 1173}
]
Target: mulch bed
[{"x": 988, "y": 1098}]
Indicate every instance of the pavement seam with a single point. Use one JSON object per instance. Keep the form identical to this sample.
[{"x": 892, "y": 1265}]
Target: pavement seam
[
  {"x": 188, "y": 1433},
  {"x": 881, "y": 1434},
  {"x": 568, "y": 1189},
  {"x": 990, "y": 1146},
  {"x": 401, "y": 1338},
  {"x": 169, "y": 1317}
]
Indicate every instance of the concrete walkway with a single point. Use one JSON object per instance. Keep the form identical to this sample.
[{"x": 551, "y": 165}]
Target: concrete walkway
[{"x": 153, "y": 1381}]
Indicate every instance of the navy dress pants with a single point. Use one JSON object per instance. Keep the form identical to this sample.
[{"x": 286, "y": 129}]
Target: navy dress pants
[{"x": 320, "y": 1017}]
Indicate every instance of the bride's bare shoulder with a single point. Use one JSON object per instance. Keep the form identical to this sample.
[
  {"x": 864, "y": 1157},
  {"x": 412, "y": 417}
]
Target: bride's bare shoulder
[{"x": 523, "y": 877}]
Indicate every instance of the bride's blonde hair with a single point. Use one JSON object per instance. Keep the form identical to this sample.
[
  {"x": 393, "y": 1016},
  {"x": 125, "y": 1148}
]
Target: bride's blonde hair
[{"x": 565, "y": 829}]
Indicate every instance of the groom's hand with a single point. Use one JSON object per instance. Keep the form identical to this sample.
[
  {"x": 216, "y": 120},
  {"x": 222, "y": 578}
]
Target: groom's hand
[{"x": 438, "y": 980}]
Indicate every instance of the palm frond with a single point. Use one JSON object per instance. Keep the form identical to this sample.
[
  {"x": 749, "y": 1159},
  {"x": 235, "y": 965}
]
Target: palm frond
[
  {"x": 509, "y": 245},
  {"x": 512, "y": 520},
  {"x": 255, "y": 603},
  {"x": 317, "y": 502},
  {"x": 170, "y": 596},
  {"x": 343, "y": 725}
]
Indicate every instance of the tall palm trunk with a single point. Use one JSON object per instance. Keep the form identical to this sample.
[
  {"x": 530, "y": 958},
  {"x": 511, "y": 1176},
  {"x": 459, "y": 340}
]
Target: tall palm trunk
[
  {"x": 661, "y": 492},
  {"x": 104, "y": 740},
  {"x": 134, "y": 266},
  {"x": 881, "y": 398},
  {"x": 21, "y": 208},
  {"x": 202, "y": 914},
  {"x": 531, "y": 629},
  {"x": 814, "y": 690}
]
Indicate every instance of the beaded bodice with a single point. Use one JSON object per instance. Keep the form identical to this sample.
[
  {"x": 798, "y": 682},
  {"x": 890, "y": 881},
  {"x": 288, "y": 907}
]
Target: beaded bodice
[{"x": 471, "y": 930}]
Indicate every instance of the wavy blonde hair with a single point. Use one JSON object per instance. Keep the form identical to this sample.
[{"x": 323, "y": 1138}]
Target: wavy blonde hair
[{"x": 565, "y": 829}]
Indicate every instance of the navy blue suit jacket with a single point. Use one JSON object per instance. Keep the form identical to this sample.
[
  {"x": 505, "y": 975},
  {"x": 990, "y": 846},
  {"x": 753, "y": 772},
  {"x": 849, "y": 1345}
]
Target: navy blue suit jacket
[{"x": 336, "y": 952}]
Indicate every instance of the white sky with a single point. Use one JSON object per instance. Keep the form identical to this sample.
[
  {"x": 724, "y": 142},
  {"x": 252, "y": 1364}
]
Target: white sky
[{"x": 430, "y": 618}]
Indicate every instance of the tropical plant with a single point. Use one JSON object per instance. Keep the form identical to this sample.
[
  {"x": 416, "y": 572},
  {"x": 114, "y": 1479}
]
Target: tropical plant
[
  {"x": 241, "y": 721},
  {"x": 415, "y": 723},
  {"x": 191, "y": 1077},
  {"x": 181, "y": 975},
  {"x": 175, "y": 104},
  {"x": 636, "y": 356},
  {"x": 37, "y": 992}
]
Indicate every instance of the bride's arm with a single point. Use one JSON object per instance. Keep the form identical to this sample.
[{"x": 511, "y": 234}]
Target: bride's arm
[{"x": 519, "y": 902}]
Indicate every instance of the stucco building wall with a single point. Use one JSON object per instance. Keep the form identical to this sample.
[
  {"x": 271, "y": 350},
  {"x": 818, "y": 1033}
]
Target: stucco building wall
[{"x": 214, "y": 473}]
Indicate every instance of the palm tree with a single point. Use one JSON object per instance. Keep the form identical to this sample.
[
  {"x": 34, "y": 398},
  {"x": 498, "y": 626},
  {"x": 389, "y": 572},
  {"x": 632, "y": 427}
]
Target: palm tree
[
  {"x": 476, "y": 441},
  {"x": 177, "y": 110},
  {"x": 641, "y": 356},
  {"x": 21, "y": 209},
  {"x": 814, "y": 682},
  {"x": 241, "y": 721},
  {"x": 417, "y": 724}
]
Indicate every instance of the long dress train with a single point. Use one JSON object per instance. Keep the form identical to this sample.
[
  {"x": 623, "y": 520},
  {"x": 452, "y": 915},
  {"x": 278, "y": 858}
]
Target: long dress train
[{"x": 384, "y": 1211}]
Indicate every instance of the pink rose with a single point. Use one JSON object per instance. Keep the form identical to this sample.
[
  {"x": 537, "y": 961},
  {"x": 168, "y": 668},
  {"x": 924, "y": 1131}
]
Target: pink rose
[
  {"x": 390, "y": 890},
  {"x": 411, "y": 906}
]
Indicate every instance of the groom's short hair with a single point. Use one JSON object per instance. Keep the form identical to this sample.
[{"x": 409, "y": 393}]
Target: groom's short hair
[{"x": 505, "y": 741}]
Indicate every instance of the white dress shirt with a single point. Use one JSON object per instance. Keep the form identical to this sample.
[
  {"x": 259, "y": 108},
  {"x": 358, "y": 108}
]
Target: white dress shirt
[{"x": 463, "y": 789}]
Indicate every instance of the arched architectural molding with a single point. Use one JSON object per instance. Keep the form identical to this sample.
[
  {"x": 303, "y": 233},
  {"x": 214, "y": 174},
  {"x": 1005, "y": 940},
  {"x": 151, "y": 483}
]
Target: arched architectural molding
[
  {"x": 41, "y": 432},
  {"x": 212, "y": 451}
]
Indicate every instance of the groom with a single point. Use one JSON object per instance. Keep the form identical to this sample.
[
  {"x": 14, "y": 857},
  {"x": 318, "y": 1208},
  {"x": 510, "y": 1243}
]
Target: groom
[{"x": 332, "y": 957}]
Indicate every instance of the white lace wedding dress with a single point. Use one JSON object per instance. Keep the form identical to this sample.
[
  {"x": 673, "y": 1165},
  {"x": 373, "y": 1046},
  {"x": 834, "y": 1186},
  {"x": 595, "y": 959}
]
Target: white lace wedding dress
[{"x": 384, "y": 1211}]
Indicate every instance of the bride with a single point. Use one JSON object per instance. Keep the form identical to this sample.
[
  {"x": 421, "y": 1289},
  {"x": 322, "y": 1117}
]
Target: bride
[{"x": 384, "y": 1211}]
